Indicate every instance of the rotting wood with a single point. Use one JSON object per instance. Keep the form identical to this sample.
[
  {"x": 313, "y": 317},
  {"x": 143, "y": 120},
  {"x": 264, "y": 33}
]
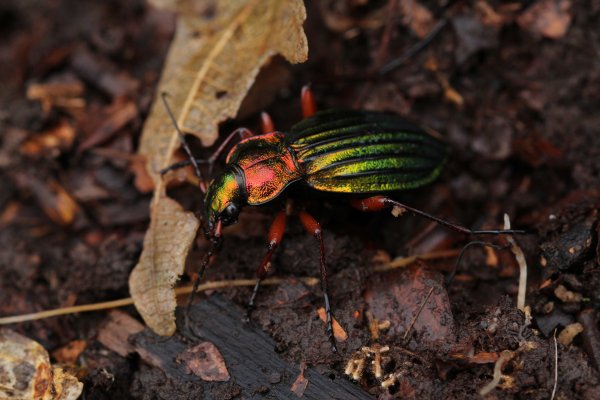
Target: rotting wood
[{"x": 249, "y": 354}]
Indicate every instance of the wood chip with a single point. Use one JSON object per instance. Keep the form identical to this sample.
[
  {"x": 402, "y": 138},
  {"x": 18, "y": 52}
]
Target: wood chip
[
  {"x": 114, "y": 334},
  {"x": 338, "y": 332},
  {"x": 205, "y": 361},
  {"x": 301, "y": 383}
]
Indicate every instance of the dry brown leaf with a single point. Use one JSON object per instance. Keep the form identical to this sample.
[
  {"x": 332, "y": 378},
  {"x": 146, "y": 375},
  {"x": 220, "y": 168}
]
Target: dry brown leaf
[
  {"x": 167, "y": 242},
  {"x": 215, "y": 56},
  {"x": 27, "y": 373}
]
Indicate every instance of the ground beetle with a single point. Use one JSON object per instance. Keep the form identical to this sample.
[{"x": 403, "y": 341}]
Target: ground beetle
[{"x": 362, "y": 154}]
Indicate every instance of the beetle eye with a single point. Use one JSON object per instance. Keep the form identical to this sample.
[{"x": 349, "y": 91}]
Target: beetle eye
[{"x": 230, "y": 214}]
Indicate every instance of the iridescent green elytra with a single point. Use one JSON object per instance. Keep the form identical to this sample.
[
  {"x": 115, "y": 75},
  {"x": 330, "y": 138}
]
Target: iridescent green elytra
[
  {"x": 364, "y": 152},
  {"x": 343, "y": 151}
]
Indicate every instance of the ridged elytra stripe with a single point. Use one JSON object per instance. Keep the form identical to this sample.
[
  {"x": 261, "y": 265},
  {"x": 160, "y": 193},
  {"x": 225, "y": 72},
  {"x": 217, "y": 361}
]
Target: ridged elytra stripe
[
  {"x": 371, "y": 165},
  {"x": 378, "y": 181},
  {"x": 304, "y": 136},
  {"x": 367, "y": 158},
  {"x": 380, "y": 141}
]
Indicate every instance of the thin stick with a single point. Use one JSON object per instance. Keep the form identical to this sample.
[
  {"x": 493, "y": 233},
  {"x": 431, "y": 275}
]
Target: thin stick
[
  {"x": 414, "y": 320},
  {"x": 406, "y": 261},
  {"x": 555, "y": 367},
  {"x": 516, "y": 250},
  {"x": 129, "y": 301}
]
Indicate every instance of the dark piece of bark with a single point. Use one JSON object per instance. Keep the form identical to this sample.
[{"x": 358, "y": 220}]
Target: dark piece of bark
[
  {"x": 115, "y": 333},
  {"x": 249, "y": 355}
]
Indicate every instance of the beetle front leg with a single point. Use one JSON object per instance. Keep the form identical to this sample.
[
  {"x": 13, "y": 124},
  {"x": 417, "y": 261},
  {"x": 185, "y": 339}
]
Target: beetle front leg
[
  {"x": 314, "y": 228},
  {"x": 266, "y": 123},
  {"x": 377, "y": 203},
  {"x": 243, "y": 133},
  {"x": 275, "y": 236}
]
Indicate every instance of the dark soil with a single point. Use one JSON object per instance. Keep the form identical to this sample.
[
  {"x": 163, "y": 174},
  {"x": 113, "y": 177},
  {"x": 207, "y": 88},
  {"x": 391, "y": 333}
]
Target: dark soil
[{"x": 519, "y": 109}]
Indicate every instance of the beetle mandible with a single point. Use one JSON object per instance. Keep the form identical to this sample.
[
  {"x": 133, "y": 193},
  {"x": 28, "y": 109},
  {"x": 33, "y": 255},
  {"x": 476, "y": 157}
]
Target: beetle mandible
[{"x": 363, "y": 154}]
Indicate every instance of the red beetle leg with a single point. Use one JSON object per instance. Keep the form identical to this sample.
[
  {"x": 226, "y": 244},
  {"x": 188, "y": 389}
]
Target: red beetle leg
[
  {"x": 266, "y": 123},
  {"x": 275, "y": 236},
  {"x": 307, "y": 99}
]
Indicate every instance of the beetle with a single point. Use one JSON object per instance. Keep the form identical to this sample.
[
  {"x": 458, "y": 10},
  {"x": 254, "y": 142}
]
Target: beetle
[{"x": 362, "y": 154}]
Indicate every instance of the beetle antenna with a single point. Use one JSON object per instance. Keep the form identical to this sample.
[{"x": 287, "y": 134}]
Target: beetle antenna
[
  {"x": 450, "y": 277},
  {"x": 184, "y": 143}
]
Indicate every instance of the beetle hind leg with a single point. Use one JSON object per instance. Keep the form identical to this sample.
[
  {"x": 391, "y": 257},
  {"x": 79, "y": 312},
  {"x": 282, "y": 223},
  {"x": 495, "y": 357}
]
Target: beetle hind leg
[
  {"x": 314, "y": 228},
  {"x": 377, "y": 203}
]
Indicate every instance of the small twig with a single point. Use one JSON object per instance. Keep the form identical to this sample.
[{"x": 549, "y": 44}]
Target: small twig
[
  {"x": 414, "y": 320},
  {"x": 129, "y": 301},
  {"x": 555, "y": 366},
  {"x": 504, "y": 357},
  {"x": 406, "y": 261},
  {"x": 516, "y": 250}
]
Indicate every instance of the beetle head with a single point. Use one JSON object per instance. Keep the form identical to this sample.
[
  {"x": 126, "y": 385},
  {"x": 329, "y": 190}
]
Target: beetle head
[{"x": 224, "y": 200}]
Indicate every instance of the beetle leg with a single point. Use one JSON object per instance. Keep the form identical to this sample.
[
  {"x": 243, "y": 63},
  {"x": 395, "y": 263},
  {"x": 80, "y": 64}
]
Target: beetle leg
[
  {"x": 244, "y": 133},
  {"x": 181, "y": 164},
  {"x": 266, "y": 123},
  {"x": 307, "y": 99},
  {"x": 314, "y": 228},
  {"x": 275, "y": 236},
  {"x": 215, "y": 241},
  {"x": 377, "y": 203}
]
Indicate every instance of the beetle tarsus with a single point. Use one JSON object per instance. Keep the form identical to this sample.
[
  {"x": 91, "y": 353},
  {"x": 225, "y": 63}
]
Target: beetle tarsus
[
  {"x": 377, "y": 203},
  {"x": 329, "y": 323},
  {"x": 251, "y": 305}
]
